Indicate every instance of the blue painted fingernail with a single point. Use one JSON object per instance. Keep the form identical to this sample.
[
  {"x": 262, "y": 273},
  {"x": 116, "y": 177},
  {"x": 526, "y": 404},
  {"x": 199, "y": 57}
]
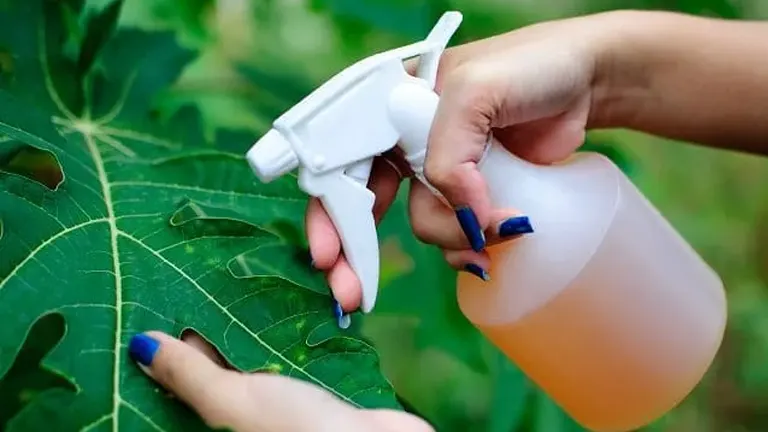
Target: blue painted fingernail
[
  {"x": 477, "y": 271},
  {"x": 471, "y": 227},
  {"x": 516, "y": 225},
  {"x": 342, "y": 318},
  {"x": 142, "y": 348}
]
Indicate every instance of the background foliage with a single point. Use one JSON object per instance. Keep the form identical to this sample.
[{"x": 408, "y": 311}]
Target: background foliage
[{"x": 261, "y": 57}]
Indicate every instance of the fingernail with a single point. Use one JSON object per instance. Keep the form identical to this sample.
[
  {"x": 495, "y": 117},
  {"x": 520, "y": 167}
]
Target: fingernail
[
  {"x": 471, "y": 227},
  {"x": 515, "y": 226},
  {"x": 477, "y": 271},
  {"x": 343, "y": 319},
  {"x": 142, "y": 349}
]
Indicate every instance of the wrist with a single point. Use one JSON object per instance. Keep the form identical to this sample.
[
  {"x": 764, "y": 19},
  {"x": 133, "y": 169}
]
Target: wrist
[{"x": 631, "y": 51}]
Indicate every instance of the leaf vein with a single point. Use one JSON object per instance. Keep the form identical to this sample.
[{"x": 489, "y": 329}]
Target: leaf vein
[
  {"x": 233, "y": 318},
  {"x": 148, "y": 309},
  {"x": 203, "y": 190},
  {"x": 43, "y": 245},
  {"x": 250, "y": 295},
  {"x": 117, "y": 108},
  {"x": 143, "y": 416},
  {"x": 139, "y": 136},
  {"x": 288, "y": 318},
  {"x": 49, "y": 87},
  {"x": 96, "y": 422},
  {"x": 116, "y": 268},
  {"x": 40, "y": 208}
]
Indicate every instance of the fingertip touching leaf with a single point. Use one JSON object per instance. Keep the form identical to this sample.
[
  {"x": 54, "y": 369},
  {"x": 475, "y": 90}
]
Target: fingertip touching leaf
[{"x": 144, "y": 230}]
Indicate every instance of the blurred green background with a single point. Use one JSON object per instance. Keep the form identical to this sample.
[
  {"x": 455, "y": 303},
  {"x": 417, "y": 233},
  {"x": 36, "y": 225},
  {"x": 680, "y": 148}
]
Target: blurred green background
[{"x": 261, "y": 57}]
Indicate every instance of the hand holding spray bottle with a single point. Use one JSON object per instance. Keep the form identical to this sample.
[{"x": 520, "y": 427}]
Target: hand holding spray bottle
[{"x": 605, "y": 306}]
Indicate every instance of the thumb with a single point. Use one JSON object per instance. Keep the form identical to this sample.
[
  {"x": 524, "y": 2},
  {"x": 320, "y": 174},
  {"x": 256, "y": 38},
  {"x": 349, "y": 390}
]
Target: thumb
[
  {"x": 190, "y": 375},
  {"x": 457, "y": 140}
]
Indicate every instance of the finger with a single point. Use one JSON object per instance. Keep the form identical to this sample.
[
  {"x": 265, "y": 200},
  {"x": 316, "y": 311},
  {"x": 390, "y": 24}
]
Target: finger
[
  {"x": 345, "y": 285},
  {"x": 411, "y": 65},
  {"x": 457, "y": 139},
  {"x": 451, "y": 58},
  {"x": 548, "y": 140},
  {"x": 190, "y": 375},
  {"x": 324, "y": 242},
  {"x": 434, "y": 223},
  {"x": 230, "y": 399},
  {"x": 476, "y": 263},
  {"x": 386, "y": 174}
]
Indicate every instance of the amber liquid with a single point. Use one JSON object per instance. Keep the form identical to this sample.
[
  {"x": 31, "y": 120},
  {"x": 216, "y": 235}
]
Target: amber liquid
[{"x": 628, "y": 338}]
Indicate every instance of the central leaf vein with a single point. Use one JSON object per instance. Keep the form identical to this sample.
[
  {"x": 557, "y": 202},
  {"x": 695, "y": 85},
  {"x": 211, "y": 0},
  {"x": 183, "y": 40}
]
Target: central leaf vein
[{"x": 112, "y": 221}]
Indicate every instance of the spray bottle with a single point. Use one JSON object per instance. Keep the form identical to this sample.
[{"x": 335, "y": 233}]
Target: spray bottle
[{"x": 605, "y": 307}]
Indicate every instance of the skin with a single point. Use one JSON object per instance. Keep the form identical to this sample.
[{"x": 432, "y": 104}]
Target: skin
[{"x": 537, "y": 89}]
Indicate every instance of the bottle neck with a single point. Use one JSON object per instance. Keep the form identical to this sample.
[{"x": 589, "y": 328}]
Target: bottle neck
[{"x": 514, "y": 166}]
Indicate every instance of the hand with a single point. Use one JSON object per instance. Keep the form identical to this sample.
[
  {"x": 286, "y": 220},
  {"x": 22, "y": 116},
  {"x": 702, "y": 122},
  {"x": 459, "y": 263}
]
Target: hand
[
  {"x": 532, "y": 88},
  {"x": 194, "y": 372}
]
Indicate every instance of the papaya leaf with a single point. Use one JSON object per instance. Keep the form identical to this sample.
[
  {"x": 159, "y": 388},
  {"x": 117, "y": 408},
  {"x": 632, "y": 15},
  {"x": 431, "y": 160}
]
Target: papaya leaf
[{"x": 144, "y": 226}]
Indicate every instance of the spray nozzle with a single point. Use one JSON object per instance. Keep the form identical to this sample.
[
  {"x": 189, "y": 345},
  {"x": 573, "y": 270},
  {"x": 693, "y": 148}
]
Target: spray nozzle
[
  {"x": 334, "y": 133},
  {"x": 272, "y": 156}
]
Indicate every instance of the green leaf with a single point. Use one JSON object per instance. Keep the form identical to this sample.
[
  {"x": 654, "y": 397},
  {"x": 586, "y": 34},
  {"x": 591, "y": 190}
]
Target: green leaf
[
  {"x": 26, "y": 378},
  {"x": 146, "y": 226},
  {"x": 442, "y": 324},
  {"x": 510, "y": 393}
]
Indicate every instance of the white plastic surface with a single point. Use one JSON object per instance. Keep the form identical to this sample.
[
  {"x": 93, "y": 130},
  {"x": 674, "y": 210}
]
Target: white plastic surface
[
  {"x": 334, "y": 133},
  {"x": 272, "y": 156}
]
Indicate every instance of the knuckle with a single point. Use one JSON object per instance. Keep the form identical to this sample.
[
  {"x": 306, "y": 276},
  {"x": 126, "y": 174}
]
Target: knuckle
[
  {"x": 441, "y": 175},
  {"x": 470, "y": 84}
]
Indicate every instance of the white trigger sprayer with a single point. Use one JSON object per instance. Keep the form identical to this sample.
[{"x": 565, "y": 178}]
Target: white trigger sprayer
[{"x": 334, "y": 133}]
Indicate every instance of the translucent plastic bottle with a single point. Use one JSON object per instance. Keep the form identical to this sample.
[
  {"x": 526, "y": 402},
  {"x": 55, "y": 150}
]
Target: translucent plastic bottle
[{"x": 605, "y": 307}]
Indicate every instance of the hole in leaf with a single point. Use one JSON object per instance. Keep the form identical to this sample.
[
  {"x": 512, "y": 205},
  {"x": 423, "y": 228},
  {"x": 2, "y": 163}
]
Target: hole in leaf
[
  {"x": 201, "y": 220},
  {"x": 289, "y": 232},
  {"x": 194, "y": 338},
  {"x": 327, "y": 331},
  {"x": 33, "y": 163},
  {"x": 27, "y": 379},
  {"x": 282, "y": 260}
]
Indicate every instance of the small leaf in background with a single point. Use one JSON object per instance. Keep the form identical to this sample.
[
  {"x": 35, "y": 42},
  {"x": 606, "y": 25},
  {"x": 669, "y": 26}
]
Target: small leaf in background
[
  {"x": 510, "y": 396},
  {"x": 545, "y": 416},
  {"x": 610, "y": 150},
  {"x": 409, "y": 18}
]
